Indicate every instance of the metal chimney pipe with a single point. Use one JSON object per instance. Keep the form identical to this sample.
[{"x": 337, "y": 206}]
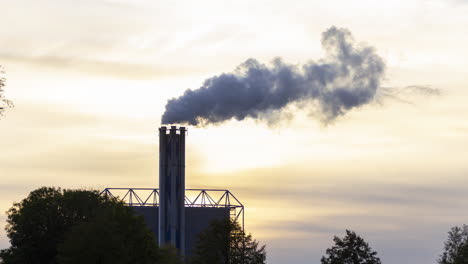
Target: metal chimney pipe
[{"x": 172, "y": 187}]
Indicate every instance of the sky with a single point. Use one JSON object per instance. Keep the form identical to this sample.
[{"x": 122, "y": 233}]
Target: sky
[{"x": 90, "y": 80}]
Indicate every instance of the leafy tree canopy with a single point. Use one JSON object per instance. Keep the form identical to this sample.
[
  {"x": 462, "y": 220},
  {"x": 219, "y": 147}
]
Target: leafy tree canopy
[
  {"x": 225, "y": 242},
  {"x": 456, "y": 246},
  {"x": 76, "y": 226},
  {"x": 351, "y": 249}
]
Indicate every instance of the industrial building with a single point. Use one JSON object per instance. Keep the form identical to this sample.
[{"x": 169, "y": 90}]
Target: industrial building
[{"x": 177, "y": 215}]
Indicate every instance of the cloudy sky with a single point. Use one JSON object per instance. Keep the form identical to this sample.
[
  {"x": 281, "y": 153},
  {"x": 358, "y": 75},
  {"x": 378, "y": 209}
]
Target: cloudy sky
[{"x": 90, "y": 80}]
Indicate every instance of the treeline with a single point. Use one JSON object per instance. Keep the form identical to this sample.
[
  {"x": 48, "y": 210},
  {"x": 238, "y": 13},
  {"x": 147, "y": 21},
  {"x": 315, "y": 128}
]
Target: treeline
[
  {"x": 352, "y": 249},
  {"x": 55, "y": 226},
  {"x": 77, "y": 226}
]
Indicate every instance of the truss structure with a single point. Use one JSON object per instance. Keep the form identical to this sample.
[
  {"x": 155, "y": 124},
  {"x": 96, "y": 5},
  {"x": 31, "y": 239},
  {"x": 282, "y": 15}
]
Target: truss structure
[{"x": 193, "y": 198}]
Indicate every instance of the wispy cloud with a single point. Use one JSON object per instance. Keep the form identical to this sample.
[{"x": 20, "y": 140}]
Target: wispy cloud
[{"x": 119, "y": 69}]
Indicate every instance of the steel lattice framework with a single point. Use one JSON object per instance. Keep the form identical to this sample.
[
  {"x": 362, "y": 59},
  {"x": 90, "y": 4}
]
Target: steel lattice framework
[{"x": 193, "y": 198}]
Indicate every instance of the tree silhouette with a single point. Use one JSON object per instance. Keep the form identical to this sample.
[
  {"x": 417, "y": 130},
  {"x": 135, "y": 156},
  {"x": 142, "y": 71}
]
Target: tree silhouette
[
  {"x": 114, "y": 235},
  {"x": 76, "y": 226},
  {"x": 462, "y": 256},
  {"x": 4, "y": 103},
  {"x": 224, "y": 242},
  {"x": 456, "y": 246},
  {"x": 351, "y": 249}
]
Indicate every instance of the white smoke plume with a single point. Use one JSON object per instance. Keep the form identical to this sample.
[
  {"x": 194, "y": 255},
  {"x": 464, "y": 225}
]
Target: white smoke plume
[{"x": 348, "y": 77}]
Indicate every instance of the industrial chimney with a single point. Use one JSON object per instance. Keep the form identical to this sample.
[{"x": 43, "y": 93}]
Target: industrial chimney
[
  {"x": 174, "y": 219},
  {"x": 172, "y": 187}
]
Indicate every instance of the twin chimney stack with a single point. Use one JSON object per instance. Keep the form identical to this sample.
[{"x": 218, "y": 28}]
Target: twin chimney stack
[
  {"x": 172, "y": 187},
  {"x": 175, "y": 221}
]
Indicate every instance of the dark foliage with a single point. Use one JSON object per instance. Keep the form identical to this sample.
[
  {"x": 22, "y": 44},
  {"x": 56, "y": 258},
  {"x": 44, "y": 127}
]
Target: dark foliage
[
  {"x": 351, "y": 249},
  {"x": 169, "y": 255},
  {"x": 4, "y": 103},
  {"x": 456, "y": 246},
  {"x": 76, "y": 226},
  {"x": 462, "y": 256},
  {"x": 225, "y": 242}
]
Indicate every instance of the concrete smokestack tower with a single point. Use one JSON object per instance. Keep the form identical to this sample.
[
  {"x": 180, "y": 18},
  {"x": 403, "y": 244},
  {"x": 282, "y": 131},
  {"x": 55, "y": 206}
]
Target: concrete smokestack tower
[{"x": 172, "y": 187}]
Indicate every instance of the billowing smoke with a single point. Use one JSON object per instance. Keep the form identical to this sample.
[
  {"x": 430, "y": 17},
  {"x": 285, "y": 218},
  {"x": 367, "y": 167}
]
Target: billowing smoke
[{"x": 348, "y": 77}]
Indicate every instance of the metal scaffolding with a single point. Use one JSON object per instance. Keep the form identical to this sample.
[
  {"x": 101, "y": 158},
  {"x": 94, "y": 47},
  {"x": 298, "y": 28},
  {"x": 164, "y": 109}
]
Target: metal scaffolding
[{"x": 193, "y": 198}]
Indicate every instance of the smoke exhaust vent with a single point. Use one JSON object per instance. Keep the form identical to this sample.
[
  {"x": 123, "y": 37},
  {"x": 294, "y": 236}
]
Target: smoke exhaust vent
[{"x": 172, "y": 187}]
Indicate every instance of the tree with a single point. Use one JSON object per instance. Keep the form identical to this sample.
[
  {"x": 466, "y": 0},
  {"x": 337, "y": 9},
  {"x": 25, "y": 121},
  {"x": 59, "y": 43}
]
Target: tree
[
  {"x": 169, "y": 255},
  {"x": 225, "y": 242},
  {"x": 462, "y": 256},
  {"x": 76, "y": 226},
  {"x": 351, "y": 249},
  {"x": 456, "y": 246},
  {"x": 4, "y": 103},
  {"x": 113, "y": 236}
]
